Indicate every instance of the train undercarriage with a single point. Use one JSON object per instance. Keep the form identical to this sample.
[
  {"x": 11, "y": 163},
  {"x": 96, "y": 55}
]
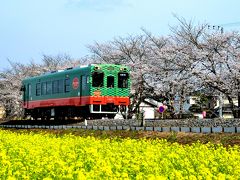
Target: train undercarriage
[{"x": 70, "y": 112}]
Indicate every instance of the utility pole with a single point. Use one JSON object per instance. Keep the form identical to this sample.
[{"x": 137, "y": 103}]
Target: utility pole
[
  {"x": 238, "y": 94},
  {"x": 220, "y": 97}
]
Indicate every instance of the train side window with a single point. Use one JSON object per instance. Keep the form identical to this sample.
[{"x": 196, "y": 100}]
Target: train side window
[
  {"x": 97, "y": 79},
  {"x": 29, "y": 90},
  {"x": 49, "y": 87},
  {"x": 122, "y": 80},
  {"x": 55, "y": 87},
  {"x": 67, "y": 85},
  {"x": 110, "y": 82},
  {"x": 38, "y": 89},
  {"x": 87, "y": 79},
  {"x": 44, "y": 88},
  {"x": 60, "y": 86}
]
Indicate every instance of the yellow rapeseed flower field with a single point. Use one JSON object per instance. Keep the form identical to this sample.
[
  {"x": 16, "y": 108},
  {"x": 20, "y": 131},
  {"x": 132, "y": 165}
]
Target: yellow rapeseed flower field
[{"x": 49, "y": 156}]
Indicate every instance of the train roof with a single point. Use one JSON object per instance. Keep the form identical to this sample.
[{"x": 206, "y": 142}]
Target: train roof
[{"x": 69, "y": 70}]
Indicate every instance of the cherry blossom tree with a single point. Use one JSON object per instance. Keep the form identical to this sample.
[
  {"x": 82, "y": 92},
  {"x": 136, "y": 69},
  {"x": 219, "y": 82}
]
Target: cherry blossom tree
[
  {"x": 213, "y": 57},
  {"x": 10, "y": 80},
  {"x": 172, "y": 77}
]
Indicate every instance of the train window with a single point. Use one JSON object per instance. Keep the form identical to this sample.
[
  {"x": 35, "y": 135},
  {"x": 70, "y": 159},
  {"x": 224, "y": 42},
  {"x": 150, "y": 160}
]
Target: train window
[
  {"x": 67, "y": 85},
  {"x": 87, "y": 79},
  {"x": 60, "y": 86},
  {"x": 49, "y": 87},
  {"x": 97, "y": 79},
  {"x": 44, "y": 88},
  {"x": 38, "y": 89},
  {"x": 122, "y": 80},
  {"x": 55, "y": 87},
  {"x": 110, "y": 82},
  {"x": 29, "y": 90}
]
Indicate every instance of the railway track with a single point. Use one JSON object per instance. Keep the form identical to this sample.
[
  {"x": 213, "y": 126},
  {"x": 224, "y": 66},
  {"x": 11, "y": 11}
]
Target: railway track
[
  {"x": 40, "y": 122},
  {"x": 89, "y": 125}
]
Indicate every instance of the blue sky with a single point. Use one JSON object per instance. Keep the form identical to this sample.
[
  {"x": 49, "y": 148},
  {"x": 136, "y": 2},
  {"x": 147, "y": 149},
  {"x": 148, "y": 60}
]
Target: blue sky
[{"x": 30, "y": 28}]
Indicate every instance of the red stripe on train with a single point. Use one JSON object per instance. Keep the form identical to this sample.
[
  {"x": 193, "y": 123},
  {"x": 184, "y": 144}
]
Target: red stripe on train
[{"x": 77, "y": 101}]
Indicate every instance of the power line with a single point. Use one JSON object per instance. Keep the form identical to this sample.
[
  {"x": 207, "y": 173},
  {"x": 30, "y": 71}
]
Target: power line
[
  {"x": 221, "y": 26},
  {"x": 230, "y": 24},
  {"x": 216, "y": 27}
]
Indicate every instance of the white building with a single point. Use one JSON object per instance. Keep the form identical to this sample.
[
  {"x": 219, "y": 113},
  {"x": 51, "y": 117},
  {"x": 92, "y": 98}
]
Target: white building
[{"x": 213, "y": 103}]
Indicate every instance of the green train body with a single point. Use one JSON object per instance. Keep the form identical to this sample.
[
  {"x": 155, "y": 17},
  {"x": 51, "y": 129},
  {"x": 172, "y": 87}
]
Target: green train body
[{"x": 93, "y": 91}]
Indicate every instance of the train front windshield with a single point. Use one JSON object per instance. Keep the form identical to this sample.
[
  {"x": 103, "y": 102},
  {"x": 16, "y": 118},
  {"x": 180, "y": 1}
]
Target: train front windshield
[
  {"x": 97, "y": 79},
  {"x": 122, "y": 80}
]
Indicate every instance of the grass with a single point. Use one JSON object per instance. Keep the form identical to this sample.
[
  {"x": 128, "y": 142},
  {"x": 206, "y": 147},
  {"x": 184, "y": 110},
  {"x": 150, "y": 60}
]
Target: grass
[{"x": 182, "y": 138}]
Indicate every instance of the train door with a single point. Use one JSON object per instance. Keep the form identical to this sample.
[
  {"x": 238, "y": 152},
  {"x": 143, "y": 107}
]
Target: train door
[
  {"x": 81, "y": 85},
  {"x": 83, "y": 88}
]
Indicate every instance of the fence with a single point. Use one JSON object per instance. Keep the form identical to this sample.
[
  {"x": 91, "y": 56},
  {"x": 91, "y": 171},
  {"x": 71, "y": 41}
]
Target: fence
[{"x": 133, "y": 128}]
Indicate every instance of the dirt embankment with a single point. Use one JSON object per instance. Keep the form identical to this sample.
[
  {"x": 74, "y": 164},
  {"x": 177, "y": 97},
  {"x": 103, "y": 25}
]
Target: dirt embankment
[{"x": 183, "y": 138}]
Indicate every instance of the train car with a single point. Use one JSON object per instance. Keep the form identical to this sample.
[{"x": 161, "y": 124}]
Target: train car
[{"x": 92, "y": 91}]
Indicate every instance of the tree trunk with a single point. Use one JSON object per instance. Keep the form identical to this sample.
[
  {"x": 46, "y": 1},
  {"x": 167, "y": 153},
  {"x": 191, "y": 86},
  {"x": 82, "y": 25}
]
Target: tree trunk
[
  {"x": 238, "y": 104},
  {"x": 181, "y": 101},
  {"x": 230, "y": 100}
]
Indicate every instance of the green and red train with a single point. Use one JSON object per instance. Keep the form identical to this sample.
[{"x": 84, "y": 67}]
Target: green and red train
[{"x": 92, "y": 91}]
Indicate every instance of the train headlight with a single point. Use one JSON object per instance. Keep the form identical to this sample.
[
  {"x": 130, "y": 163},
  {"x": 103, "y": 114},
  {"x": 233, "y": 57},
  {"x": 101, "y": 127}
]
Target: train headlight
[
  {"x": 123, "y": 69},
  {"x": 97, "y": 68}
]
